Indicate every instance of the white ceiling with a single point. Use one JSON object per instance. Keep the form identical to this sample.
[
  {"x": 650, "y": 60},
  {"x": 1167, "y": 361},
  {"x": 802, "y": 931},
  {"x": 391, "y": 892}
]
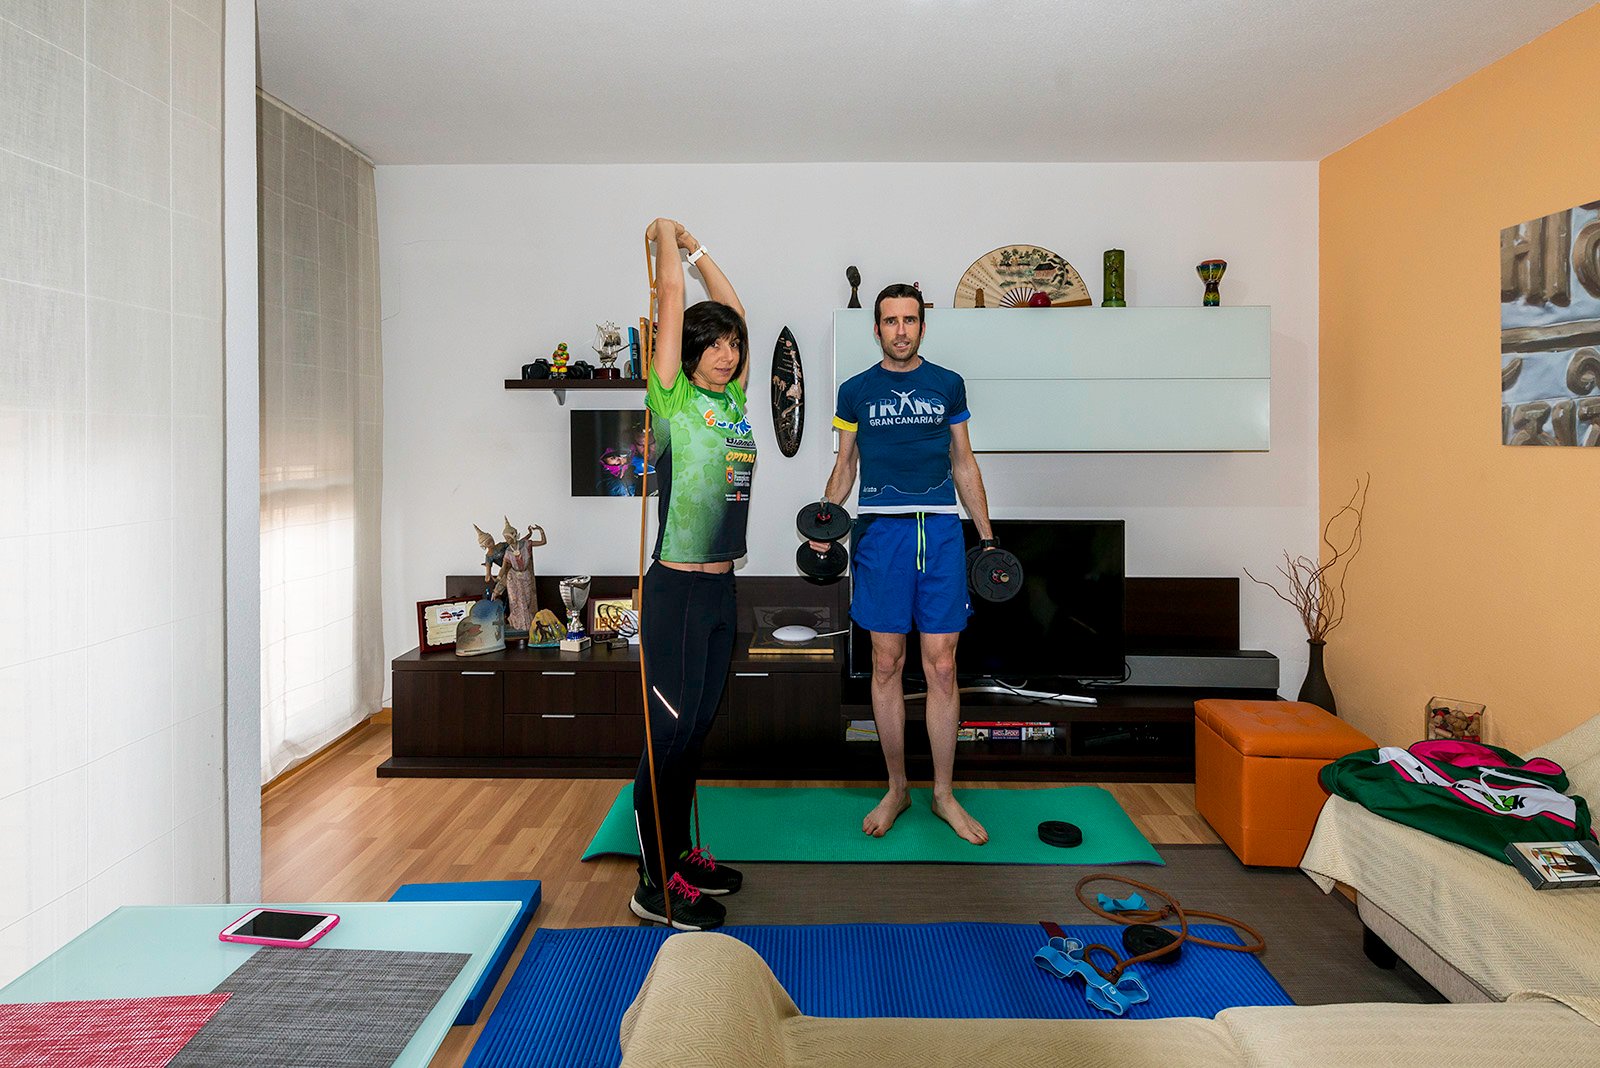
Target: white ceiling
[{"x": 757, "y": 81}]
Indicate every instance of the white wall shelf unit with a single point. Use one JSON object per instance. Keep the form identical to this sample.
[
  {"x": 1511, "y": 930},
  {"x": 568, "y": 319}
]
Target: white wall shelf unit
[{"x": 1095, "y": 379}]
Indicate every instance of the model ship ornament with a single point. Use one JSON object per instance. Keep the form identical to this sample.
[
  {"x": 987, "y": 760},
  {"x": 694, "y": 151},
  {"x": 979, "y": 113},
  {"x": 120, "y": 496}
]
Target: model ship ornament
[{"x": 608, "y": 342}]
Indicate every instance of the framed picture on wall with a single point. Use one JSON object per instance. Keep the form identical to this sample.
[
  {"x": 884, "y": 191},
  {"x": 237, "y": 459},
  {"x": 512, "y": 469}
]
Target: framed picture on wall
[
  {"x": 1549, "y": 301},
  {"x": 436, "y": 622},
  {"x": 607, "y": 457}
]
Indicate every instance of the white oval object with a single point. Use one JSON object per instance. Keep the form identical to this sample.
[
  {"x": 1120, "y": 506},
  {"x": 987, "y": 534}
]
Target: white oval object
[{"x": 795, "y": 633}]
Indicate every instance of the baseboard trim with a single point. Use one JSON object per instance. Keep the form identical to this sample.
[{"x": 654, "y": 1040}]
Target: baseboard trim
[{"x": 382, "y": 716}]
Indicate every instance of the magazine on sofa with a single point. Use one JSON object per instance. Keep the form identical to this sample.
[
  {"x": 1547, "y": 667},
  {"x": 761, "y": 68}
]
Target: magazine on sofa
[{"x": 1556, "y": 865}]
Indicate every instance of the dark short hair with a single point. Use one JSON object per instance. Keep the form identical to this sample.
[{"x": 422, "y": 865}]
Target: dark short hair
[
  {"x": 899, "y": 289},
  {"x": 705, "y": 324}
]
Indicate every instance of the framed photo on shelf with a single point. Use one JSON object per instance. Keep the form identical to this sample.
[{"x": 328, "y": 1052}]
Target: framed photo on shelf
[
  {"x": 611, "y": 617},
  {"x": 436, "y": 622}
]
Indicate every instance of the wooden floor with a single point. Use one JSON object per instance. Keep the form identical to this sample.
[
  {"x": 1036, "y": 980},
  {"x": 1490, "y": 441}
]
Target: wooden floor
[{"x": 337, "y": 832}]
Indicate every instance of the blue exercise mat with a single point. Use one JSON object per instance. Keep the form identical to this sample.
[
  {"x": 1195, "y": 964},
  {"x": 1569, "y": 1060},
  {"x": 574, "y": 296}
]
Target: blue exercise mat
[
  {"x": 564, "y": 1004},
  {"x": 523, "y": 891}
]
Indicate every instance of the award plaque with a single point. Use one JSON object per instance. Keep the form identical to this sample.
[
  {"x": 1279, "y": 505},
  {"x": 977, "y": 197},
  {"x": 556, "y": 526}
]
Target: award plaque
[{"x": 436, "y": 622}]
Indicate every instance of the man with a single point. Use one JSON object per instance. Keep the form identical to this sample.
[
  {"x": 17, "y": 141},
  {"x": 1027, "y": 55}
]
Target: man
[{"x": 908, "y": 418}]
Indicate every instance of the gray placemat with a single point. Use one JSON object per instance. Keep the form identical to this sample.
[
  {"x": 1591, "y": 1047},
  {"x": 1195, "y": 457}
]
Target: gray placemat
[{"x": 321, "y": 1008}]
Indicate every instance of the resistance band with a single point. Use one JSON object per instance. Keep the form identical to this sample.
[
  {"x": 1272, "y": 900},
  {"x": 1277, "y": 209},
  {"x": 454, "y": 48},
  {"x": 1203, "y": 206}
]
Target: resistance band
[
  {"x": 647, "y": 334},
  {"x": 1139, "y": 915}
]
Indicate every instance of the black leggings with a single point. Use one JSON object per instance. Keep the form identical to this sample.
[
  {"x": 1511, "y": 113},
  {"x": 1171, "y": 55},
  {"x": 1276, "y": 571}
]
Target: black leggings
[{"x": 686, "y": 633}]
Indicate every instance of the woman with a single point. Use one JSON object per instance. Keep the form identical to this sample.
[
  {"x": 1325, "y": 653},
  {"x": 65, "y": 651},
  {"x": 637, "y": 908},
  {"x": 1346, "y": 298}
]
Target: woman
[{"x": 696, "y": 397}]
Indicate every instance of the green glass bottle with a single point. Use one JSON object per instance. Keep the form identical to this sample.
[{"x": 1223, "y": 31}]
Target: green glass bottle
[{"x": 1114, "y": 277}]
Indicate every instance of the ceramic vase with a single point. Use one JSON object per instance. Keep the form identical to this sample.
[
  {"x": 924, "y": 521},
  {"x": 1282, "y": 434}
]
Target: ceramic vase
[{"x": 1315, "y": 690}]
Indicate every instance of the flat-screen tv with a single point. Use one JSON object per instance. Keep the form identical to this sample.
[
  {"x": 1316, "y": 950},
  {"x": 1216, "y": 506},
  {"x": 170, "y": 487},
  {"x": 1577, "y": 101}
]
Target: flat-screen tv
[{"x": 1065, "y": 625}]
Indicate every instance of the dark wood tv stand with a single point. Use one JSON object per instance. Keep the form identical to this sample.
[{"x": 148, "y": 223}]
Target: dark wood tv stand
[{"x": 542, "y": 712}]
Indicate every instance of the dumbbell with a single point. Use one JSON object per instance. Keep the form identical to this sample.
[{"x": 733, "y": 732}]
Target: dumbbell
[
  {"x": 993, "y": 574},
  {"x": 822, "y": 521}
]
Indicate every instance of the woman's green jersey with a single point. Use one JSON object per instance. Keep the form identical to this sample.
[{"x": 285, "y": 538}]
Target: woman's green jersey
[{"x": 704, "y": 472}]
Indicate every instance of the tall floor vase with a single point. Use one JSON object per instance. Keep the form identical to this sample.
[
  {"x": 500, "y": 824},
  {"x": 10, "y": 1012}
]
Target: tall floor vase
[{"x": 1315, "y": 690}]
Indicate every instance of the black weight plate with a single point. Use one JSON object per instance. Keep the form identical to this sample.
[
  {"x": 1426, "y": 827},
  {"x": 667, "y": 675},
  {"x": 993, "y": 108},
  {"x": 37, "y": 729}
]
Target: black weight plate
[
  {"x": 829, "y": 565},
  {"x": 1141, "y": 938},
  {"x": 994, "y": 574},
  {"x": 821, "y": 521},
  {"x": 1060, "y": 833}
]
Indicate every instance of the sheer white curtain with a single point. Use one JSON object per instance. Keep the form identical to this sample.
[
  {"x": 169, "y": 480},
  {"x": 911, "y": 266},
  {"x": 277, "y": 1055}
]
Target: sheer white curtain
[{"x": 321, "y": 439}]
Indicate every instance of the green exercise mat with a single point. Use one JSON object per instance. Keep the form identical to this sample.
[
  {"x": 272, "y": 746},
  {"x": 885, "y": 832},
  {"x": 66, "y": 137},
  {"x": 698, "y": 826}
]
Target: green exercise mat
[{"x": 824, "y": 824}]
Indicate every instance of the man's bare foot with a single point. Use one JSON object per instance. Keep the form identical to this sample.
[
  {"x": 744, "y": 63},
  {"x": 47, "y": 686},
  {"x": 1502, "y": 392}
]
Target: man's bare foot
[
  {"x": 949, "y": 809},
  {"x": 880, "y": 819}
]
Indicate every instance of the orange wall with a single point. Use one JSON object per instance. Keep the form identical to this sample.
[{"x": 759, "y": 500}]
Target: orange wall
[{"x": 1480, "y": 577}]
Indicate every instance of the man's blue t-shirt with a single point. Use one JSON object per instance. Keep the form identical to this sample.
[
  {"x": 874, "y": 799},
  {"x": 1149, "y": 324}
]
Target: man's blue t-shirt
[{"x": 902, "y": 422}]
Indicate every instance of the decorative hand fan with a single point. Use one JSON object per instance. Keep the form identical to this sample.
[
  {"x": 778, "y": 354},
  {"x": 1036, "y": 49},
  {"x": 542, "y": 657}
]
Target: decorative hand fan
[{"x": 1015, "y": 276}]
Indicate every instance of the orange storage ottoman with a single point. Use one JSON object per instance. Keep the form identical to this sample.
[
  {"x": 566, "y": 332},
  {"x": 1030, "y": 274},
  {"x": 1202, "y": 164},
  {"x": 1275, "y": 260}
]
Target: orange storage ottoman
[{"x": 1255, "y": 773}]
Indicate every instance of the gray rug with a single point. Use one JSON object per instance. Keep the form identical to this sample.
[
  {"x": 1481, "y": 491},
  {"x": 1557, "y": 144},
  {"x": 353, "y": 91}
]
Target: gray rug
[
  {"x": 321, "y": 1008},
  {"x": 1313, "y": 939}
]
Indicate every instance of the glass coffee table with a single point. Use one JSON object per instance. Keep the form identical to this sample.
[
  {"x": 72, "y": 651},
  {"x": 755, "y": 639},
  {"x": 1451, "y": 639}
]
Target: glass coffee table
[{"x": 161, "y": 950}]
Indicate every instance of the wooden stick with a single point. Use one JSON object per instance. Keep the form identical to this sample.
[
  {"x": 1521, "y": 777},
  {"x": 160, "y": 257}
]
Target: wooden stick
[{"x": 647, "y": 341}]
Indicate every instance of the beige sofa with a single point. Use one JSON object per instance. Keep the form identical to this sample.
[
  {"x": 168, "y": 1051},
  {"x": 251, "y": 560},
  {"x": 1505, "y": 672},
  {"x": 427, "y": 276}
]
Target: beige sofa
[
  {"x": 1469, "y": 924},
  {"x": 711, "y": 1002}
]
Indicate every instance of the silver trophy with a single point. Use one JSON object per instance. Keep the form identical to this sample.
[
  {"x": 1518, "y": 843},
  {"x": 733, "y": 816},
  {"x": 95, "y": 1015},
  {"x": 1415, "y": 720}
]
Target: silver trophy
[{"x": 574, "y": 595}]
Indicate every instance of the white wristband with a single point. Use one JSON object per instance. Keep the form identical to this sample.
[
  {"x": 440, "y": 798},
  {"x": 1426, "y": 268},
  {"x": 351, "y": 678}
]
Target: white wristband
[{"x": 697, "y": 253}]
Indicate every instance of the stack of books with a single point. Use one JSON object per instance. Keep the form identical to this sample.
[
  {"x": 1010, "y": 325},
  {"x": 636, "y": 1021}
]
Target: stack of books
[{"x": 1005, "y": 731}]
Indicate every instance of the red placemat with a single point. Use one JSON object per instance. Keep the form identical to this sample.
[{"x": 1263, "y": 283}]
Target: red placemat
[{"x": 116, "y": 1033}]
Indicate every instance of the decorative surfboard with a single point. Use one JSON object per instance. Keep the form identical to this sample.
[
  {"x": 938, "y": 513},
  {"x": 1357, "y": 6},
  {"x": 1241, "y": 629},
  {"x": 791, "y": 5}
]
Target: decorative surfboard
[{"x": 788, "y": 394}]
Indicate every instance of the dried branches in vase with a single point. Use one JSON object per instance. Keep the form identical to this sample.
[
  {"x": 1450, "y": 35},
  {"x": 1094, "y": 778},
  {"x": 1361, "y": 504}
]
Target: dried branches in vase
[{"x": 1316, "y": 589}]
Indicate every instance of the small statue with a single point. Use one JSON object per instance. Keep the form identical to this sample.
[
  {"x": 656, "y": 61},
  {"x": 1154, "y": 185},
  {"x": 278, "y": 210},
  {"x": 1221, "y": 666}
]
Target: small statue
[
  {"x": 1210, "y": 272},
  {"x": 608, "y": 342},
  {"x": 547, "y": 628},
  {"x": 482, "y": 629},
  {"x": 516, "y": 575},
  {"x": 558, "y": 361},
  {"x": 853, "y": 276},
  {"x": 494, "y": 554}
]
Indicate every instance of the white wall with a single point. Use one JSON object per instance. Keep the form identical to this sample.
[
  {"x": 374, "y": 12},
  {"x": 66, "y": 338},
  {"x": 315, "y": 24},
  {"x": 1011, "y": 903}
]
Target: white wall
[
  {"x": 485, "y": 268},
  {"x": 111, "y": 439},
  {"x": 242, "y": 492}
]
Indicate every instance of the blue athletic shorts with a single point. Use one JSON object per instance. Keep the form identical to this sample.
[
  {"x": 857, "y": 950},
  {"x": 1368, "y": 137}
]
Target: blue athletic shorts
[{"x": 910, "y": 569}]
